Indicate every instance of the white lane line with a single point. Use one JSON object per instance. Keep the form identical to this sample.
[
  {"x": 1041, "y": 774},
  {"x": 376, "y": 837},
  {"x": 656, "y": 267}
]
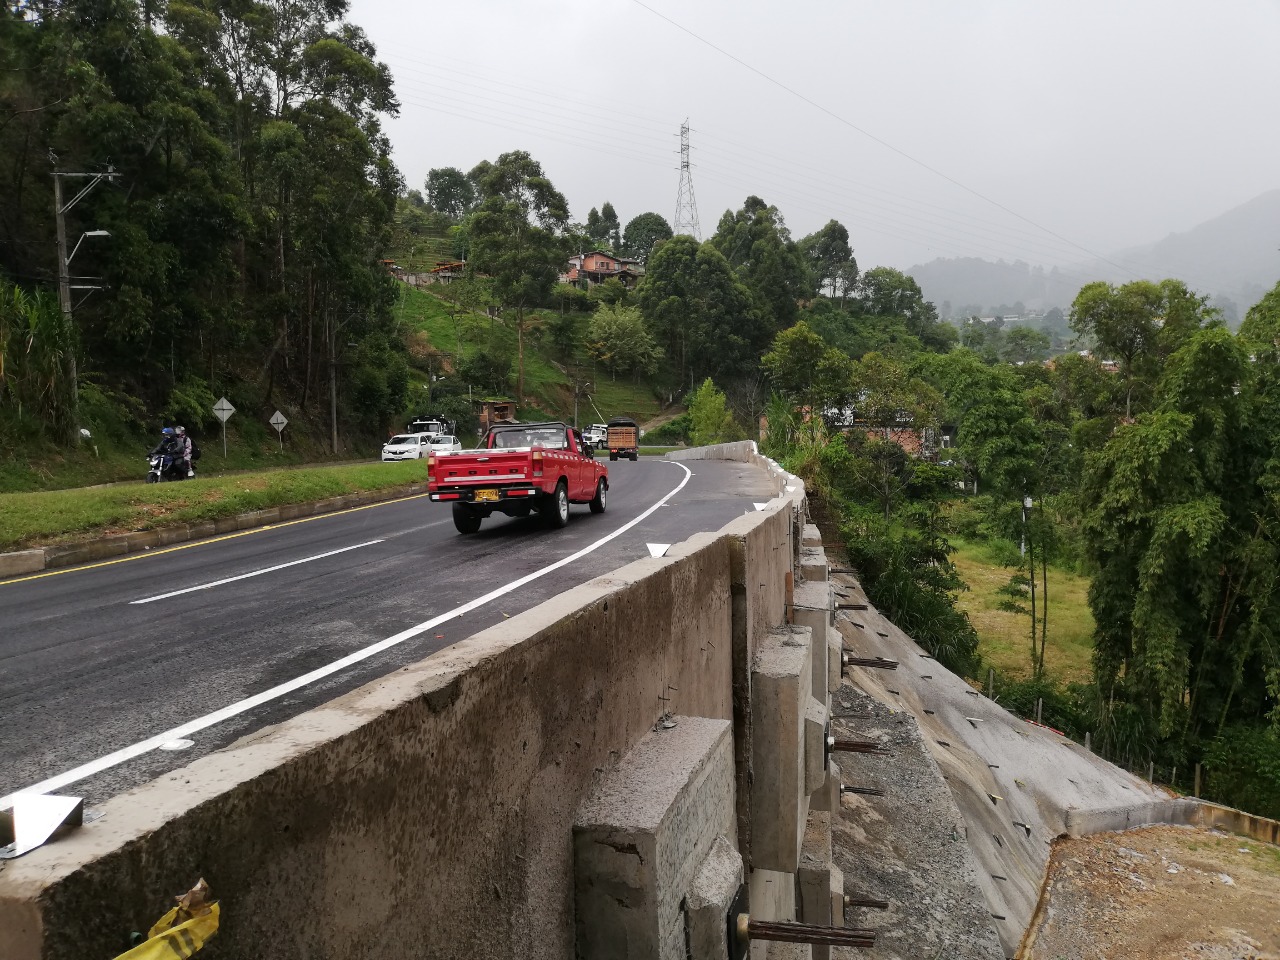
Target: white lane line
[
  {"x": 255, "y": 573},
  {"x": 266, "y": 696}
]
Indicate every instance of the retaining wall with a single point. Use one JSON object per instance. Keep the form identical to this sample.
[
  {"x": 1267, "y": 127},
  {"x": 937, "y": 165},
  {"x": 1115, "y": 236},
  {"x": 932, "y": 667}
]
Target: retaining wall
[{"x": 430, "y": 813}]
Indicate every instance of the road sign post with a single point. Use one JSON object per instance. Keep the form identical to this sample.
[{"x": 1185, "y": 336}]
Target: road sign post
[
  {"x": 223, "y": 411},
  {"x": 279, "y": 421}
]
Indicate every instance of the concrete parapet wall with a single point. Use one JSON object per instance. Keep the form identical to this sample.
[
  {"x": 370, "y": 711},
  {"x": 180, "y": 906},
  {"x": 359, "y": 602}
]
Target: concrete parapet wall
[{"x": 449, "y": 786}]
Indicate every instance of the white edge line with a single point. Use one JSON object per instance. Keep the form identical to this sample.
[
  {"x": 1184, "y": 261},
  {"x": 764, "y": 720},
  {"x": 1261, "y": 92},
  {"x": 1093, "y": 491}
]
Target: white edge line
[
  {"x": 255, "y": 573},
  {"x": 226, "y": 713}
]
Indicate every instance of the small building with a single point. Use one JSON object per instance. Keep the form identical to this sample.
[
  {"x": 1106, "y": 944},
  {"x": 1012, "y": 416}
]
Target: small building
[
  {"x": 597, "y": 266},
  {"x": 495, "y": 410}
]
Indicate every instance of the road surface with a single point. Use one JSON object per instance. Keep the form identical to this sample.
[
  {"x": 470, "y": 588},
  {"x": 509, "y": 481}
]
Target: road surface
[{"x": 99, "y": 664}]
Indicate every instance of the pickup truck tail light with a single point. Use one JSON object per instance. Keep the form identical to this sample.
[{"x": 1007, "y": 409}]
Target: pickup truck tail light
[
  {"x": 537, "y": 463},
  {"x": 431, "y": 462}
]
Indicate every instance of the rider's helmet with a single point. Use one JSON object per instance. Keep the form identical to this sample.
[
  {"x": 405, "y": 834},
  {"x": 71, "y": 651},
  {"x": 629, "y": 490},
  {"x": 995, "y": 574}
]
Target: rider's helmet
[
  {"x": 179, "y": 430},
  {"x": 167, "y": 431}
]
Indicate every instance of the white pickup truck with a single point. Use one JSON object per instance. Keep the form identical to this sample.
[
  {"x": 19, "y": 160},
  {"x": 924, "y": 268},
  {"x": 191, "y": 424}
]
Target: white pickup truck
[{"x": 596, "y": 436}]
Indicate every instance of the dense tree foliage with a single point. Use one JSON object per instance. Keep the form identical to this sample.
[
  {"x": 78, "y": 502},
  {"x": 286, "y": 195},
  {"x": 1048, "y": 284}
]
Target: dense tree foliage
[
  {"x": 642, "y": 233},
  {"x": 450, "y": 192},
  {"x": 515, "y": 239},
  {"x": 701, "y": 314},
  {"x": 757, "y": 244},
  {"x": 255, "y": 191}
]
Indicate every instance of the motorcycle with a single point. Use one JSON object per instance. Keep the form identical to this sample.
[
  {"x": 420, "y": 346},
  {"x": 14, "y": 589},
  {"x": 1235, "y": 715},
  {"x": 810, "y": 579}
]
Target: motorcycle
[{"x": 165, "y": 467}]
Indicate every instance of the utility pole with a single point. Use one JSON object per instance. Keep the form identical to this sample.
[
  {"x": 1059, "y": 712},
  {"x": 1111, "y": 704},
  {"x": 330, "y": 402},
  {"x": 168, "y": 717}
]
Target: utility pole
[
  {"x": 65, "y": 285},
  {"x": 686, "y": 218},
  {"x": 579, "y": 390}
]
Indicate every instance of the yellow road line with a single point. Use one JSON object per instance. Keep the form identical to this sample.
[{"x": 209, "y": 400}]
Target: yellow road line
[{"x": 202, "y": 543}]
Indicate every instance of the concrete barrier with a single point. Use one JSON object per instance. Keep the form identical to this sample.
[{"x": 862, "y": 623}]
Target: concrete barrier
[{"x": 431, "y": 812}]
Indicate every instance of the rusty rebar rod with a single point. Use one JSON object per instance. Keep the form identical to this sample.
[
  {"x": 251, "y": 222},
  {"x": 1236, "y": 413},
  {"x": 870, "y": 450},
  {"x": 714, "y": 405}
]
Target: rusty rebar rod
[
  {"x": 858, "y": 746},
  {"x": 865, "y": 791},
  {"x": 784, "y": 932},
  {"x": 851, "y": 606},
  {"x": 877, "y": 663},
  {"x": 851, "y": 901}
]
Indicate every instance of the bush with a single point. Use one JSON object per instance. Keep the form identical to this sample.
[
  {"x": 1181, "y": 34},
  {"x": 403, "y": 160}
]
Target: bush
[
  {"x": 190, "y": 403},
  {"x": 1244, "y": 769},
  {"x": 566, "y": 297},
  {"x": 670, "y": 433}
]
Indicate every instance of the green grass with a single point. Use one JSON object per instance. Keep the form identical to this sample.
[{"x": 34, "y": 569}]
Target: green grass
[
  {"x": 1004, "y": 638},
  {"x": 33, "y": 519},
  {"x": 547, "y": 382}
]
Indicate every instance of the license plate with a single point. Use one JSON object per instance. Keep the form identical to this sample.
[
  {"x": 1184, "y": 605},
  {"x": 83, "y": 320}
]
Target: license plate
[{"x": 486, "y": 496}]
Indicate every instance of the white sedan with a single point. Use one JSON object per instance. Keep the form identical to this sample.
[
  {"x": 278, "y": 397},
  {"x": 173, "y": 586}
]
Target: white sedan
[
  {"x": 444, "y": 444},
  {"x": 407, "y": 446}
]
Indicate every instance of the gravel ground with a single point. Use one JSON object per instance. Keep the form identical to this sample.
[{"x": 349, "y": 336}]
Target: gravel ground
[
  {"x": 1163, "y": 893},
  {"x": 909, "y": 847}
]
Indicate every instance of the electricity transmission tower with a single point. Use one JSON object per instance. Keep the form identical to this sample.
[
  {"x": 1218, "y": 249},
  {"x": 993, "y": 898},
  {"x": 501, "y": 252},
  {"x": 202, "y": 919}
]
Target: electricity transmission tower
[{"x": 686, "y": 218}]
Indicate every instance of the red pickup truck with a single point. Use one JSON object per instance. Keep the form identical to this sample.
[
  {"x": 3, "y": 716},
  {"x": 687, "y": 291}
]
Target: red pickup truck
[{"x": 520, "y": 468}]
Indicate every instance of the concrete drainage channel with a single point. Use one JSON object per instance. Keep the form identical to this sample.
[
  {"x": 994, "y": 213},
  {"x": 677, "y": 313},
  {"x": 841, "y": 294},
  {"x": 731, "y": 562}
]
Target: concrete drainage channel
[
  {"x": 648, "y": 766},
  {"x": 21, "y": 562}
]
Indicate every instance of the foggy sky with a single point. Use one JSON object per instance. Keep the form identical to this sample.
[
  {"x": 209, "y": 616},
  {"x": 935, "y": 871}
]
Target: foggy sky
[{"x": 1109, "y": 123}]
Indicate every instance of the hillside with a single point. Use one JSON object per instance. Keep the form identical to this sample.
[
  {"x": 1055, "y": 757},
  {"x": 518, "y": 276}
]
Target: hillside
[{"x": 1233, "y": 257}]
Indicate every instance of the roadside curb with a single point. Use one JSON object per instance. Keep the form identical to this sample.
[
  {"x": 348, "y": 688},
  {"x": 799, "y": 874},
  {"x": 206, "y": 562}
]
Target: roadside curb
[{"x": 103, "y": 548}]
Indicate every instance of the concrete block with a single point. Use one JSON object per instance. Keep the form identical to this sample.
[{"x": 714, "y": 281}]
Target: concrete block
[
  {"x": 21, "y": 561},
  {"x": 837, "y": 896},
  {"x": 771, "y": 895},
  {"x": 813, "y": 563},
  {"x": 178, "y": 534},
  {"x": 205, "y": 528},
  {"x": 813, "y": 877},
  {"x": 827, "y": 797},
  {"x": 71, "y": 554},
  {"x": 226, "y": 525},
  {"x": 642, "y": 835},
  {"x": 835, "y": 664},
  {"x": 812, "y": 535},
  {"x": 812, "y": 608},
  {"x": 707, "y": 903},
  {"x": 815, "y": 732},
  {"x": 142, "y": 540},
  {"x": 780, "y": 685}
]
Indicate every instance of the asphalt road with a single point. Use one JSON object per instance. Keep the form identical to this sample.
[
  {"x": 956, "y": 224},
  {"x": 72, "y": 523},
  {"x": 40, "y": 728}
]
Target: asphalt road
[{"x": 96, "y": 661}]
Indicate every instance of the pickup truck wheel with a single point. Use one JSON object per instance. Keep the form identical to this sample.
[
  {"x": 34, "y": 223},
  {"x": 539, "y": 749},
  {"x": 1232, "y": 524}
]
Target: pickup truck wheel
[
  {"x": 557, "y": 506},
  {"x": 598, "y": 501},
  {"x": 465, "y": 519}
]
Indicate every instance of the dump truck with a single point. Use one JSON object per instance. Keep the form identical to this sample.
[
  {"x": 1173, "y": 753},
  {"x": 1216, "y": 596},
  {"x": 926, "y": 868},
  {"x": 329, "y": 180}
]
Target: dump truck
[{"x": 623, "y": 438}]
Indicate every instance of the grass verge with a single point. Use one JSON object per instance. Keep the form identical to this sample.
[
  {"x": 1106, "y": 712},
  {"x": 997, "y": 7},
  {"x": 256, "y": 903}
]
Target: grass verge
[
  {"x": 1005, "y": 637},
  {"x": 57, "y": 516}
]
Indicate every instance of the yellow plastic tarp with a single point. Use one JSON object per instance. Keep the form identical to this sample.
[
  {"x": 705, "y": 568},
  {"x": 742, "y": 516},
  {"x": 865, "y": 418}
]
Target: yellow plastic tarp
[{"x": 166, "y": 942}]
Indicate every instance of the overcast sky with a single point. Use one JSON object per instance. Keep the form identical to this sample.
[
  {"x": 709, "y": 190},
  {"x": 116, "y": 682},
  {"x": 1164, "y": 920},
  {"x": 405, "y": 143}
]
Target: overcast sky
[{"x": 1107, "y": 122}]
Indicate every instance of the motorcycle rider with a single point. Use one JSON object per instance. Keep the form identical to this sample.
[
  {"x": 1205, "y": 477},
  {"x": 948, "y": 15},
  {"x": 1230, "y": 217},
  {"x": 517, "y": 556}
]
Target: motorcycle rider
[
  {"x": 185, "y": 443},
  {"x": 170, "y": 447}
]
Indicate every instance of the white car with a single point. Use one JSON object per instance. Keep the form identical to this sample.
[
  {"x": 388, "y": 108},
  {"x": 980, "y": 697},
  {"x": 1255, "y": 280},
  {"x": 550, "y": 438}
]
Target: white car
[
  {"x": 444, "y": 444},
  {"x": 407, "y": 446}
]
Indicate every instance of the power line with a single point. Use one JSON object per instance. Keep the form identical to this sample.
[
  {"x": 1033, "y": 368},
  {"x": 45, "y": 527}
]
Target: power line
[{"x": 884, "y": 143}]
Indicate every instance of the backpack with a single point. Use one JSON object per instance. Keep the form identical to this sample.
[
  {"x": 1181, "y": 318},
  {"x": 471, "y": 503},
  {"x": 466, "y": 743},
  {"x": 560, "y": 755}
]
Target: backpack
[{"x": 195, "y": 450}]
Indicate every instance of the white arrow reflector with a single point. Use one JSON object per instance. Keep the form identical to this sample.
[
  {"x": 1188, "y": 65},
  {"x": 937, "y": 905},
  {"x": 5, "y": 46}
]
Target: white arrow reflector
[
  {"x": 658, "y": 549},
  {"x": 759, "y": 506}
]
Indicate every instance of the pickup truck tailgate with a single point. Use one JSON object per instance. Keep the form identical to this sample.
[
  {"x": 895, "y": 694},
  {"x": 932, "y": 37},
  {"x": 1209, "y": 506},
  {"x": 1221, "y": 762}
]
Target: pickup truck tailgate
[{"x": 497, "y": 466}]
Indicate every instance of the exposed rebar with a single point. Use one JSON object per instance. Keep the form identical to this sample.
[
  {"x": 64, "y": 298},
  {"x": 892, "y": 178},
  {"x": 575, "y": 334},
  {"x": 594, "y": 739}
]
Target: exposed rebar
[
  {"x": 851, "y": 901},
  {"x": 858, "y": 746},
  {"x": 783, "y": 932}
]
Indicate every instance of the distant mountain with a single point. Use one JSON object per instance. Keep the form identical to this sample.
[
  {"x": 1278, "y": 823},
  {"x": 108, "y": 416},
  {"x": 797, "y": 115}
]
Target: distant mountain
[{"x": 1235, "y": 258}]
